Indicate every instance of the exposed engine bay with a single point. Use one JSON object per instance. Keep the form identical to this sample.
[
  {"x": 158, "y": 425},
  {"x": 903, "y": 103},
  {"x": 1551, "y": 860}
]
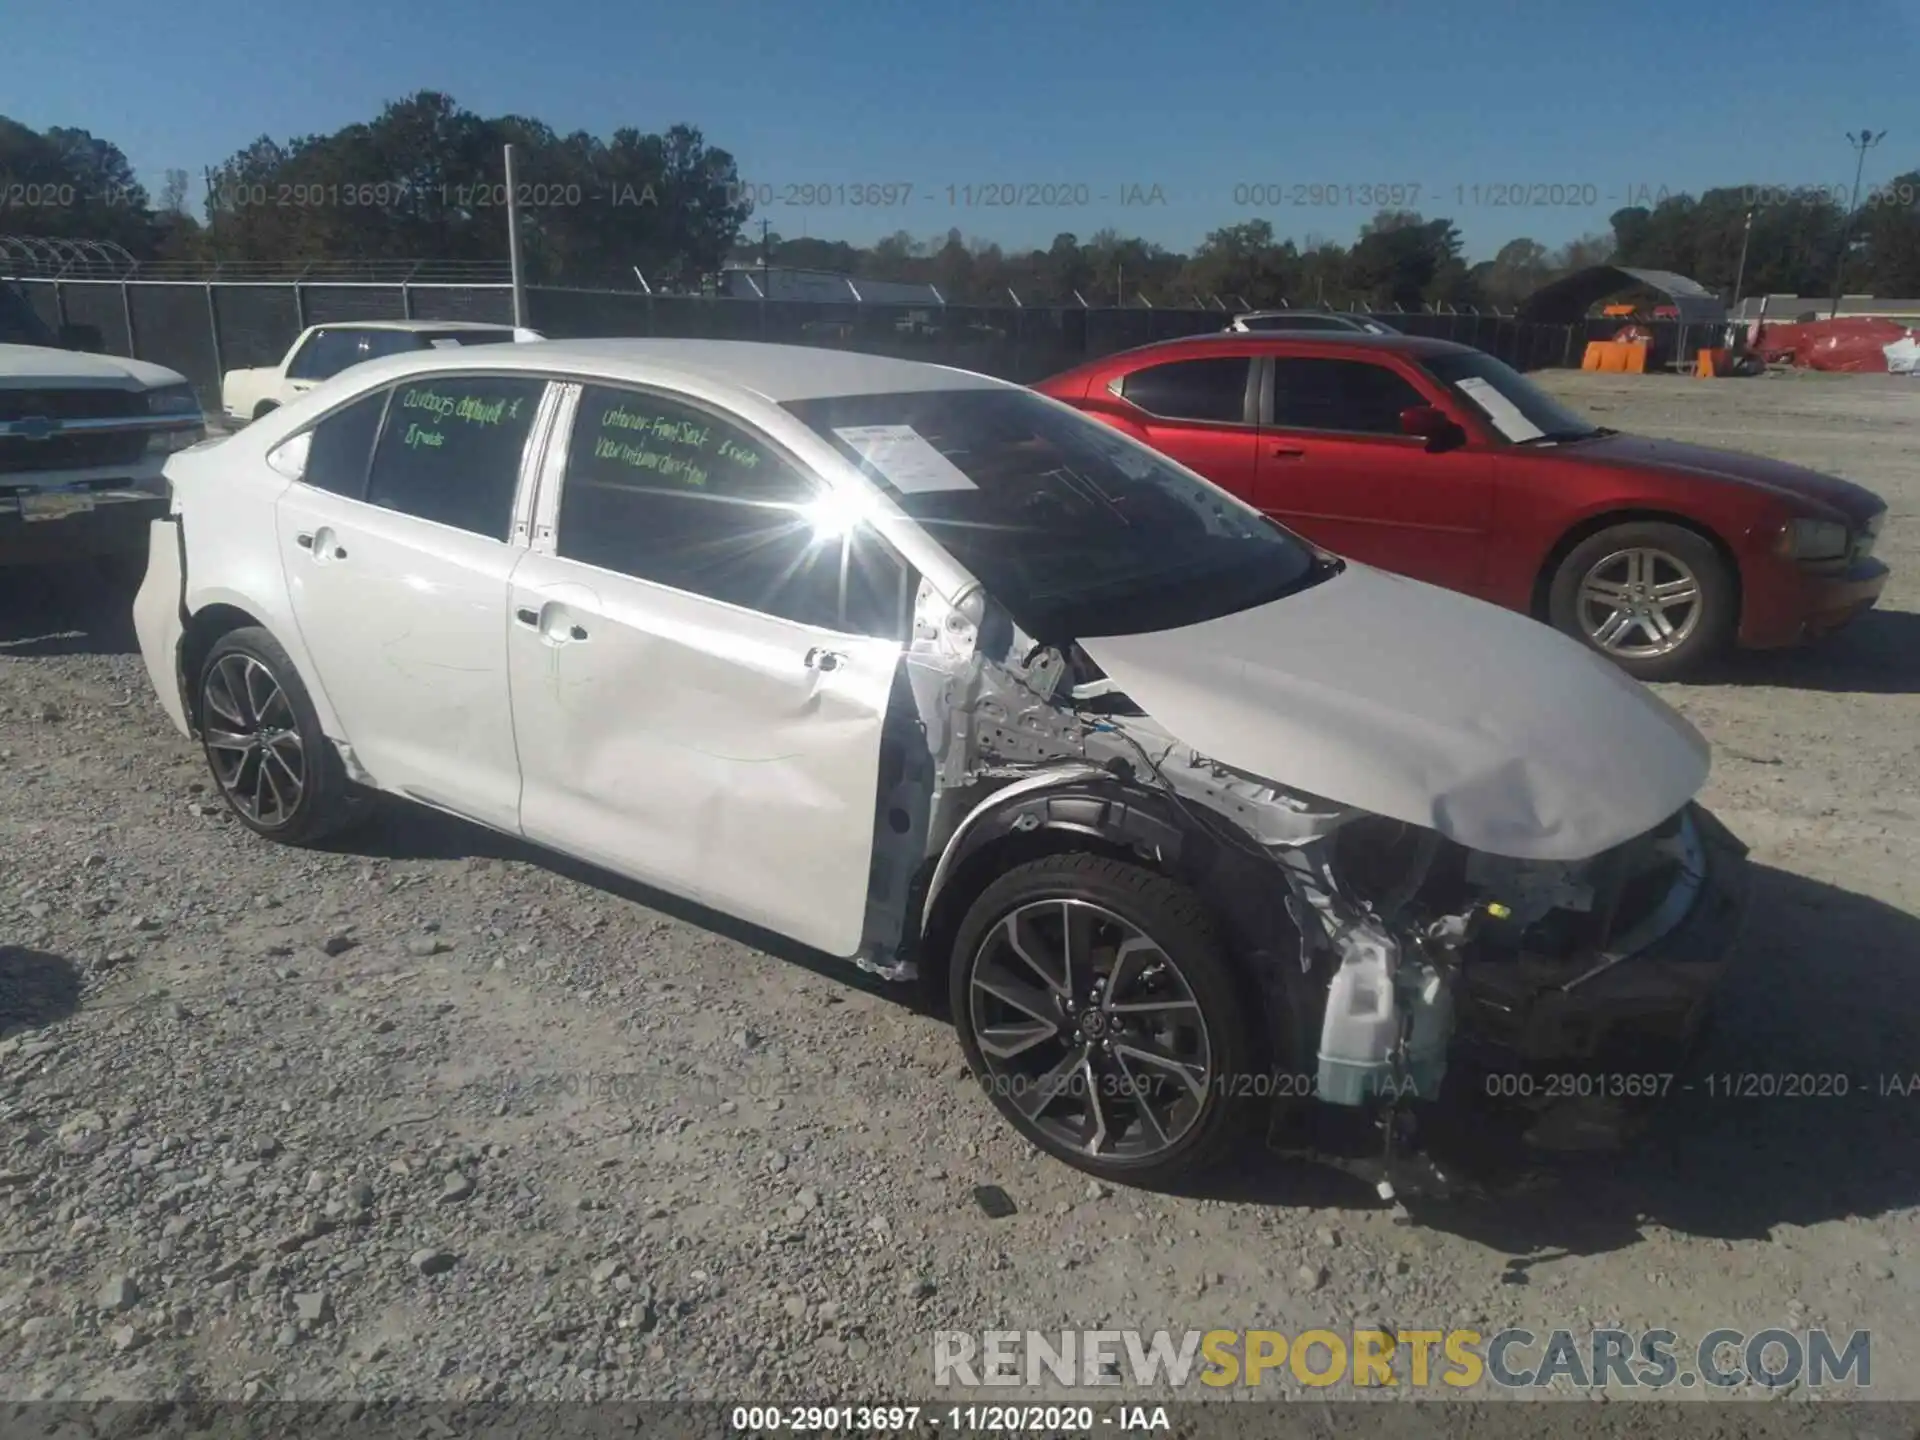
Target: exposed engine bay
[{"x": 1389, "y": 952}]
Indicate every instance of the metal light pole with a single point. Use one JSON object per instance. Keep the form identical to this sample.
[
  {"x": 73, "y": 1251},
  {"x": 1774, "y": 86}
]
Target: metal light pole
[
  {"x": 513, "y": 245},
  {"x": 1740, "y": 270},
  {"x": 1862, "y": 142}
]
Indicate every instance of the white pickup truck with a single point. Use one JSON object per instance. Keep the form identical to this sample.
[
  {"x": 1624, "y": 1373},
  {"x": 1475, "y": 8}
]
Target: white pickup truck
[
  {"x": 323, "y": 351},
  {"x": 83, "y": 438}
]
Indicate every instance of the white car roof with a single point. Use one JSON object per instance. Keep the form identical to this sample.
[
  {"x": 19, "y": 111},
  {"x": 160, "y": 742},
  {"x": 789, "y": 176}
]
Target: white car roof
[{"x": 776, "y": 373}]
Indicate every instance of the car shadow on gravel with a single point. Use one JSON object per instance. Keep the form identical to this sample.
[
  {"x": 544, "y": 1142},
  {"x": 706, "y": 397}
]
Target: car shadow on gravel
[
  {"x": 1878, "y": 654},
  {"x": 399, "y": 831},
  {"x": 79, "y": 609},
  {"x": 37, "y": 989},
  {"x": 1827, "y": 985},
  {"x": 1803, "y": 1107}
]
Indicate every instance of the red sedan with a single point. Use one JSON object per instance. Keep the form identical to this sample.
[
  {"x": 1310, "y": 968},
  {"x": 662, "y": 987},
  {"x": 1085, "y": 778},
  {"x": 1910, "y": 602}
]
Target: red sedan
[{"x": 1439, "y": 462}]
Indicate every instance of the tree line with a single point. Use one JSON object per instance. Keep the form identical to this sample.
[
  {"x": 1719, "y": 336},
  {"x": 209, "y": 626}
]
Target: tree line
[{"x": 423, "y": 180}]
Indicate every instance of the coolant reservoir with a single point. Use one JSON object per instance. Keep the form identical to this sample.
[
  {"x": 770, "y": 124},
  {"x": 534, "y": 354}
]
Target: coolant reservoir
[{"x": 1362, "y": 1023}]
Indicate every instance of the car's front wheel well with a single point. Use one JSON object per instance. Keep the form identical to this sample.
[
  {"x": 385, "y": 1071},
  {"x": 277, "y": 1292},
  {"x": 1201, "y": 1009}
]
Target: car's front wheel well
[
  {"x": 203, "y": 631},
  {"x": 979, "y": 870},
  {"x": 1539, "y": 605}
]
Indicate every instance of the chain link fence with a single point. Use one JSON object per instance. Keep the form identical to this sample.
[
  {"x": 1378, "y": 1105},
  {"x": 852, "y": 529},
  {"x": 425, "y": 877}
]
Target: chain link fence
[{"x": 204, "y": 328}]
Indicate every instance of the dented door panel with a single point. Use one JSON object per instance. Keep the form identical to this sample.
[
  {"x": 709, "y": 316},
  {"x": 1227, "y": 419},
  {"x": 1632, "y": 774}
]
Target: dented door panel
[
  {"x": 405, "y": 621},
  {"x": 720, "y": 754}
]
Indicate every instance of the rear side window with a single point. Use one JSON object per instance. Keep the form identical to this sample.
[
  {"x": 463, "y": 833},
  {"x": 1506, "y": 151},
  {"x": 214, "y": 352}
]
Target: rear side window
[
  {"x": 450, "y": 450},
  {"x": 325, "y": 354},
  {"x": 1212, "y": 389},
  {"x": 341, "y": 446},
  {"x": 1352, "y": 396},
  {"x": 374, "y": 344}
]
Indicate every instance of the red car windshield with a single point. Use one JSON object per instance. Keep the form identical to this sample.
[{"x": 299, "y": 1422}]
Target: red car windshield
[
  {"x": 1076, "y": 530},
  {"x": 1521, "y": 412}
]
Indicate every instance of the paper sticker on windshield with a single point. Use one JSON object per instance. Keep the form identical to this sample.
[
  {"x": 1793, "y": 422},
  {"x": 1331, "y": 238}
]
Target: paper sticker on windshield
[
  {"x": 904, "y": 458},
  {"x": 1502, "y": 411}
]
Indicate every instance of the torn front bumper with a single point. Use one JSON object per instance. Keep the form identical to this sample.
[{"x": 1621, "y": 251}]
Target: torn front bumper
[
  {"x": 1591, "y": 1058},
  {"x": 1621, "y": 1007},
  {"x": 159, "y": 619}
]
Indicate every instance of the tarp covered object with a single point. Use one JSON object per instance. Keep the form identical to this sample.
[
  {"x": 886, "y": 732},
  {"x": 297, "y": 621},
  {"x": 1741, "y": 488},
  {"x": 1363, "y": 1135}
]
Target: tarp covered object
[
  {"x": 1903, "y": 356},
  {"x": 1855, "y": 345}
]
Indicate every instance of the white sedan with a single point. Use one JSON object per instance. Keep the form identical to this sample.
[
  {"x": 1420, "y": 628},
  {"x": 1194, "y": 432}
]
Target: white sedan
[
  {"x": 925, "y": 670},
  {"x": 320, "y": 352}
]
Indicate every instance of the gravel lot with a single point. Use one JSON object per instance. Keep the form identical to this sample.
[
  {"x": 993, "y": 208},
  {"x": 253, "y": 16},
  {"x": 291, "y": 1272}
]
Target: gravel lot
[{"x": 436, "y": 1115}]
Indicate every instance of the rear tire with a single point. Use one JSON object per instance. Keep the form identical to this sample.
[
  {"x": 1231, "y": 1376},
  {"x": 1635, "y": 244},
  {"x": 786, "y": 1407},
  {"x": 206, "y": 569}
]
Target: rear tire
[
  {"x": 274, "y": 766},
  {"x": 1131, "y": 1060},
  {"x": 1655, "y": 598}
]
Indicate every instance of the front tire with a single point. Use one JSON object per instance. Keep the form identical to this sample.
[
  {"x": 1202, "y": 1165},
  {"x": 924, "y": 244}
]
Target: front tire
[
  {"x": 1655, "y": 598},
  {"x": 276, "y": 769},
  {"x": 1097, "y": 1007}
]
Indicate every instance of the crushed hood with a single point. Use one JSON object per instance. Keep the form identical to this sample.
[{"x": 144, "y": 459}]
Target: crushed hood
[{"x": 1425, "y": 706}]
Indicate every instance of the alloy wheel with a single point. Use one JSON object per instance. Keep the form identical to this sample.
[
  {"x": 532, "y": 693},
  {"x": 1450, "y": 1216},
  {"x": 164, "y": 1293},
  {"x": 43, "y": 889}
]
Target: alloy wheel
[
  {"x": 253, "y": 740},
  {"x": 1089, "y": 1030},
  {"x": 1640, "y": 603}
]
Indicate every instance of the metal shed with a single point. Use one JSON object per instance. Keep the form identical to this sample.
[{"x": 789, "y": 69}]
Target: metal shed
[{"x": 1566, "y": 301}]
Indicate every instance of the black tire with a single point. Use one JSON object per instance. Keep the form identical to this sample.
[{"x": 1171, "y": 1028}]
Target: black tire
[
  {"x": 242, "y": 702},
  {"x": 1179, "y": 927},
  {"x": 1678, "y": 552},
  {"x": 265, "y": 408}
]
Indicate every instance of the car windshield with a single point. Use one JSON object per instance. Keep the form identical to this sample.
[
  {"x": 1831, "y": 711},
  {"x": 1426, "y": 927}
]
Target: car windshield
[
  {"x": 1077, "y": 530},
  {"x": 1520, "y": 410},
  {"x": 1292, "y": 322},
  {"x": 447, "y": 339}
]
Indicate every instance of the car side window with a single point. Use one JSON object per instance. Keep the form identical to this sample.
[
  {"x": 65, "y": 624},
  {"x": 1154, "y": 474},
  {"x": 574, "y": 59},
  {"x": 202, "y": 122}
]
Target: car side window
[
  {"x": 1350, "y": 396},
  {"x": 325, "y": 352},
  {"x": 1211, "y": 389},
  {"x": 342, "y": 445},
  {"x": 375, "y": 344},
  {"x": 451, "y": 448},
  {"x": 668, "y": 493}
]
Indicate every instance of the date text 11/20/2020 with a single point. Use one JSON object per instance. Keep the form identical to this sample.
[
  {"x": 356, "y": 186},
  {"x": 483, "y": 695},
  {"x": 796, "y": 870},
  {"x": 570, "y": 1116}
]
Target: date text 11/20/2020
[{"x": 899, "y": 194}]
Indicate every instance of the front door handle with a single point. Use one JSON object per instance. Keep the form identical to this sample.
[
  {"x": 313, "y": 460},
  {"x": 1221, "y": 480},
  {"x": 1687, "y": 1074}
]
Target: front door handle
[
  {"x": 1288, "y": 452},
  {"x": 528, "y": 618},
  {"x": 818, "y": 659},
  {"x": 320, "y": 544}
]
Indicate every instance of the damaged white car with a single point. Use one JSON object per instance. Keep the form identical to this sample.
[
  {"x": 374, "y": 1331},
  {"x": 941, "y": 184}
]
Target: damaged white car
[{"x": 1194, "y": 822}]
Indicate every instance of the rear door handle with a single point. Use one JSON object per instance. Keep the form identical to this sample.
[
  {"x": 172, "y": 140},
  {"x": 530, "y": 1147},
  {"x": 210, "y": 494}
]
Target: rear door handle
[
  {"x": 1288, "y": 452},
  {"x": 304, "y": 539},
  {"x": 531, "y": 618}
]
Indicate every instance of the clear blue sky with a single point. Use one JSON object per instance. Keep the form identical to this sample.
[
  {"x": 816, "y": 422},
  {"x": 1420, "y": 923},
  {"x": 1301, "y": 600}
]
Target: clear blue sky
[{"x": 1609, "y": 102}]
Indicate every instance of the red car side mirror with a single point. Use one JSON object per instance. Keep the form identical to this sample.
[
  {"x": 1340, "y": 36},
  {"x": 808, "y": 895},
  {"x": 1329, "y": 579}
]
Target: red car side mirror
[{"x": 1431, "y": 424}]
